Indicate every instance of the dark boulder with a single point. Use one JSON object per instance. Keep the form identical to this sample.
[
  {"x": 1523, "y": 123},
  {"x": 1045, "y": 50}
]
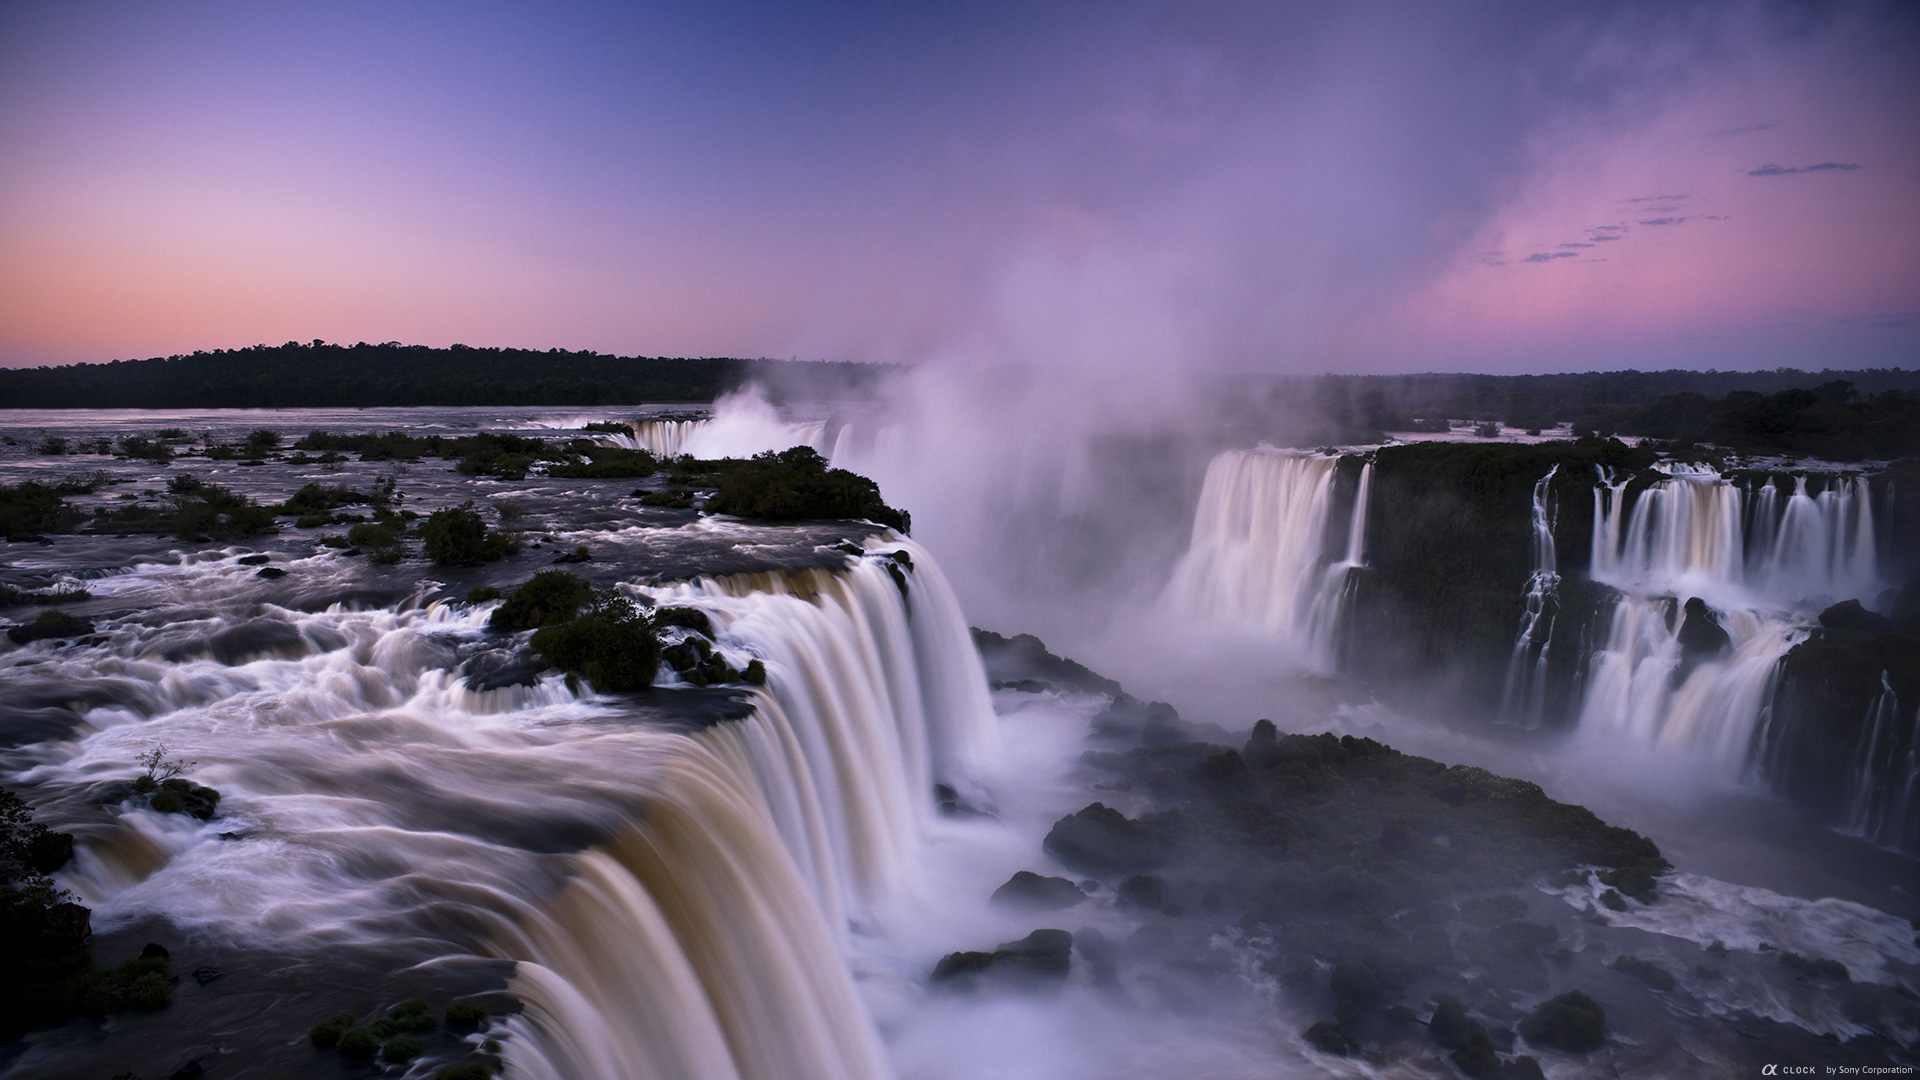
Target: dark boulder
[
  {"x": 1701, "y": 636},
  {"x": 1572, "y": 1022},
  {"x": 48, "y": 626},
  {"x": 1142, "y": 891},
  {"x": 1101, "y": 840},
  {"x": 1849, "y": 615},
  {"x": 1330, "y": 1038},
  {"x": 1040, "y": 956},
  {"x": 1026, "y": 889}
]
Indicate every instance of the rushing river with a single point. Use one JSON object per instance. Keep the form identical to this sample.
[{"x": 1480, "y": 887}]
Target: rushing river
[{"x": 693, "y": 881}]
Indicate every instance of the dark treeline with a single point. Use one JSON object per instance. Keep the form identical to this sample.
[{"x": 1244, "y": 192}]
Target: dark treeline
[
  {"x": 316, "y": 375},
  {"x": 1837, "y": 415}
]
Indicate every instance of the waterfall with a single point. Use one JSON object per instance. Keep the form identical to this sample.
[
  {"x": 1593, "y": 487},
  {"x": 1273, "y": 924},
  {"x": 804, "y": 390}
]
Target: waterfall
[
  {"x": 1523, "y": 699},
  {"x": 1761, "y": 567},
  {"x": 1884, "y": 804},
  {"x": 705, "y": 941},
  {"x": 1641, "y": 688},
  {"x": 374, "y": 803},
  {"x": 1267, "y": 551},
  {"x": 664, "y": 438}
]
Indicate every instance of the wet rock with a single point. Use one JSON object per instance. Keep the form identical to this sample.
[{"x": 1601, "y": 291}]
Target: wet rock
[
  {"x": 1330, "y": 1038},
  {"x": 1701, "y": 636},
  {"x": 1043, "y": 955},
  {"x": 1646, "y": 971},
  {"x": 499, "y": 668},
  {"x": 206, "y": 974},
  {"x": 1142, "y": 891},
  {"x": 1849, "y": 615},
  {"x": 1476, "y": 1057},
  {"x": 248, "y": 641},
  {"x": 1101, "y": 840},
  {"x": 1572, "y": 1022},
  {"x": 254, "y": 560},
  {"x": 270, "y": 573},
  {"x": 1026, "y": 889},
  {"x": 192, "y": 1070},
  {"x": 1450, "y": 1026}
]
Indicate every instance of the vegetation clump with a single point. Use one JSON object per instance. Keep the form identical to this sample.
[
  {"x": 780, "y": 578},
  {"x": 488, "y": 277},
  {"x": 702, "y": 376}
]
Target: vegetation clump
[
  {"x": 193, "y": 510},
  {"x": 50, "y": 625},
  {"x": 608, "y": 642},
  {"x": 51, "y": 976},
  {"x": 30, "y": 508},
  {"x": 587, "y": 460},
  {"x": 458, "y": 536},
  {"x": 550, "y": 596},
  {"x": 796, "y": 485}
]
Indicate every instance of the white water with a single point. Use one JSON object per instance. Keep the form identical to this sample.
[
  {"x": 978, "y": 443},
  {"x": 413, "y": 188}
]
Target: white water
[
  {"x": 376, "y": 802},
  {"x": 1766, "y": 566},
  {"x": 1266, "y": 552}
]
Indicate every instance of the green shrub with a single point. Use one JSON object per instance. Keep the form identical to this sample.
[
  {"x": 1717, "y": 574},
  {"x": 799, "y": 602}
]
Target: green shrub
[
  {"x": 31, "y": 508},
  {"x": 401, "y": 1049},
  {"x": 373, "y": 534},
  {"x": 326, "y": 1034},
  {"x": 150, "y": 991},
  {"x": 609, "y": 643},
  {"x": 795, "y": 485},
  {"x": 548, "y": 596},
  {"x": 480, "y": 594},
  {"x": 357, "y": 1042},
  {"x": 458, "y": 536}
]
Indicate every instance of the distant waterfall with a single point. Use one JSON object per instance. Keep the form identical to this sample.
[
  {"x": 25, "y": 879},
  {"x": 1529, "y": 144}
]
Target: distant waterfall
[
  {"x": 664, "y": 438},
  {"x": 705, "y": 941},
  {"x": 1884, "y": 805},
  {"x": 1762, "y": 564},
  {"x": 1267, "y": 550},
  {"x": 1700, "y": 532},
  {"x": 1524, "y": 697}
]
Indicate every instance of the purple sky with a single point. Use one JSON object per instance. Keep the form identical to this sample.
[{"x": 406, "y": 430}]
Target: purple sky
[{"x": 1304, "y": 187}]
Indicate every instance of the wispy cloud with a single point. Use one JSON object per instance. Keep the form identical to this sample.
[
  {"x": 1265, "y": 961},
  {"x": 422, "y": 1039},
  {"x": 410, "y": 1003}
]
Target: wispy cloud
[
  {"x": 1664, "y": 221},
  {"x": 1784, "y": 170},
  {"x": 1764, "y": 125},
  {"x": 1576, "y": 245},
  {"x": 1548, "y": 256},
  {"x": 1657, "y": 198}
]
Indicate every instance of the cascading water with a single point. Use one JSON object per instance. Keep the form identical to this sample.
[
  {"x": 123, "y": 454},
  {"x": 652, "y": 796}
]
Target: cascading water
[
  {"x": 664, "y": 438},
  {"x": 1666, "y": 677},
  {"x": 1267, "y": 551},
  {"x": 874, "y": 694},
  {"x": 374, "y": 802},
  {"x": 1884, "y": 805},
  {"x": 1523, "y": 698}
]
